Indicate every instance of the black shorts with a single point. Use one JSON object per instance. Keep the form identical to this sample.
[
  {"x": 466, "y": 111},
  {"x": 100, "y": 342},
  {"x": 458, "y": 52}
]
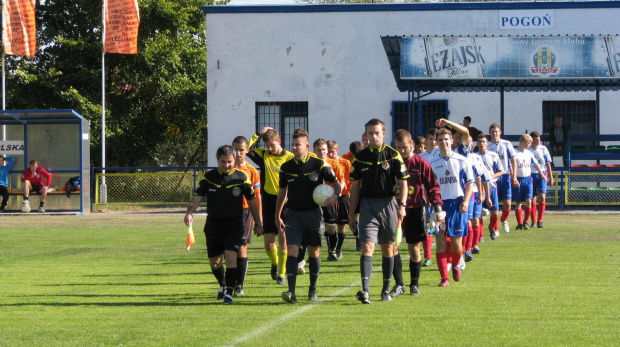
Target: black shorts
[
  {"x": 248, "y": 224},
  {"x": 304, "y": 227},
  {"x": 329, "y": 215},
  {"x": 223, "y": 236},
  {"x": 36, "y": 189},
  {"x": 414, "y": 225},
  {"x": 268, "y": 203},
  {"x": 342, "y": 210}
]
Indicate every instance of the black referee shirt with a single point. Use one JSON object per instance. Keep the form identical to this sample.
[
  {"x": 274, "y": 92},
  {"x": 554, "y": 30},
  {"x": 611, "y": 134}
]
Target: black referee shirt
[
  {"x": 301, "y": 177},
  {"x": 380, "y": 169},
  {"x": 225, "y": 194}
]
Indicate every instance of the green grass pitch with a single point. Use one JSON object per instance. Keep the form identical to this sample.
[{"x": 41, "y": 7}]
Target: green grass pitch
[{"x": 126, "y": 279}]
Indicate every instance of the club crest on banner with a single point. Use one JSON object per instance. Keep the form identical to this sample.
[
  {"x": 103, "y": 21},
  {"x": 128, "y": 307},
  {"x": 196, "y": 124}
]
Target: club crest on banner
[{"x": 544, "y": 61}]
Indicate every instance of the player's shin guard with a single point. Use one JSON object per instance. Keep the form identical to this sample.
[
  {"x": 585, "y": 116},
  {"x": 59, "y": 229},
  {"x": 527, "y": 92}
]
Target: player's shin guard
[
  {"x": 519, "y": 215},
  {"x": 332, "y": 242},
  {"x": 302, "y": 254},
  {"x": 527, "y": 213},
  {"x": 505, "y": 215},
  {"x": 414, "y": 269},
  {"x": 341, "y": 237},
  {"x": 534, "y": 210},
  {"x": 398, "y": 270},
  {"x": 315, "y": 266},
  {"x": 427, "y": 244},
  {"x": 273, "y": 255},
  {"x": 231, "y": 279},
  {"x": 366, "y": 271},
  {"x": 541, "y": 210},
  {"x": 291, "y": 273},
  {"x": 387, "y": 267},
  {"x": 442, "y": 263},
  {"x": 242, "y": 269},
  {"x": 219, "y": 276},
  {"x": 282, "y": 259}
]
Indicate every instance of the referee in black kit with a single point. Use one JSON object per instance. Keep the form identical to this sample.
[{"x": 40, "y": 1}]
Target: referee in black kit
[
  {"x": 224, "y": 188},
  {"x": 303, "y": 220},
  {"x": 377, "y": 173}
]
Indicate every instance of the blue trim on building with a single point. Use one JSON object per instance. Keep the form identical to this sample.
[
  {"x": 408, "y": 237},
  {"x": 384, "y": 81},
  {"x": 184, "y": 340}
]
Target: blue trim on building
[{"x": 448, "y": 6}]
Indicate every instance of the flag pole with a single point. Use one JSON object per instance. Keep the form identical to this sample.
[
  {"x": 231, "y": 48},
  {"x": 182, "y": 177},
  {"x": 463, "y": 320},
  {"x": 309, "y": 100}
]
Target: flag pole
[
  {"x": 3, "y": 74},
  {"x": 103, "y": 198}
]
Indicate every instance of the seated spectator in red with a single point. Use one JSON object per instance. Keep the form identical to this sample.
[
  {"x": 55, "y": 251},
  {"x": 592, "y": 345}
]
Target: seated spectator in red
[{"x": 36, "y": 180}]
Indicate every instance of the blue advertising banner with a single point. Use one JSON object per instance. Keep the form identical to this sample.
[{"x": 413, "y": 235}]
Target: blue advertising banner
[{"x": 510, "y": 57}]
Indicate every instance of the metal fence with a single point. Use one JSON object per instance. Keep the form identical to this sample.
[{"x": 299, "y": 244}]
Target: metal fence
[
  {"x": 147, "y": 186},
  {"x": 174, "y": 186},
  {"x": 592, "y": 188}
]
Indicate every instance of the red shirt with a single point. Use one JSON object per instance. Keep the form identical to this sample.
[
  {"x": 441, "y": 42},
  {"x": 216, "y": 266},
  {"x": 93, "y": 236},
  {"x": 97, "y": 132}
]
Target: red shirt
[
  {"x": 422, "y": 183},
  {"x": 38, "y": 177}
]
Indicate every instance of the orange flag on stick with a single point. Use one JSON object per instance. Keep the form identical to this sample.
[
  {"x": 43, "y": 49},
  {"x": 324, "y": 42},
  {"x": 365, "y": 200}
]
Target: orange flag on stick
[
  {"x": 190, "y": 237},
  {"x": 122, "y": 19},
  {"x": 19, "y": 29}
]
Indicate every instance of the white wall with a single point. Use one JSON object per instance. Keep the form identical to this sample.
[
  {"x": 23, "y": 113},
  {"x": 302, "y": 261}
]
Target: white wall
[{"x": 336, "y": 62}]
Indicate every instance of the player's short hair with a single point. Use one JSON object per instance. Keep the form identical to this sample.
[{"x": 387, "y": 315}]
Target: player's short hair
[
  {"x": 535, "y": 134},
  {"x": 299, "y": 133},
  {"x": 467, "y": 118},
  {"x": 432, "y": 132},
  {"x": 374, "y": 122},
  {"x": 271, "y": 135},
  {"x": 481, "y": 136},
  {"x": 319, "y": 142},
  {"x": 493, "y": 126},
  {"x": 443, "y": 131},
  {"x": 402, "y": 135},
  {"x": 525, "y": 137},
  {"x": 355, "y": 147},
  {"x": 226, "y": 151},
  {"x": 419, "y": 140},
  {"x": 331, "y": 144},
  {"x": 33, "y": 162},
  {"x": 239, "y": 140}
]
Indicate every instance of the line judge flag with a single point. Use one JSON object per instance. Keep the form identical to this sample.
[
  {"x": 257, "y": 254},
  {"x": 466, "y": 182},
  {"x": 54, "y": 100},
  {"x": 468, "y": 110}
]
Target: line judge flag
[
  {"x": 122, "y": 19},
  {"x": 19, "y": 29}
]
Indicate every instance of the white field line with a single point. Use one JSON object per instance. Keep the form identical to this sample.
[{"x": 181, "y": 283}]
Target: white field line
[{"x": 300, "y": 310}]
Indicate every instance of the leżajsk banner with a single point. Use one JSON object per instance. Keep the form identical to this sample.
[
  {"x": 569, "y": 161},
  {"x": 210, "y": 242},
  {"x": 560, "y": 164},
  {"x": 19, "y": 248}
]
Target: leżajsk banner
[
  {"x": 510, "y": 57},
  {"x": 122, "y": 19},
  {"x": 19, "y": 29}
]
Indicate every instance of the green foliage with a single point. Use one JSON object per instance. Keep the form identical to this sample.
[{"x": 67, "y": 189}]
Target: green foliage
[
  {"x": 126, "y": 279},
  {"x": 155, "y": 100}
]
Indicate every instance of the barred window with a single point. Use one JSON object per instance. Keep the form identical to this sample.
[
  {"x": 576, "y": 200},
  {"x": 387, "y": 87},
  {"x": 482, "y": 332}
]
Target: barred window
[
  {"x": 431, "y": 112},
  {"x": 282, "y": 116},
  {"x": 579, "y": 116}
]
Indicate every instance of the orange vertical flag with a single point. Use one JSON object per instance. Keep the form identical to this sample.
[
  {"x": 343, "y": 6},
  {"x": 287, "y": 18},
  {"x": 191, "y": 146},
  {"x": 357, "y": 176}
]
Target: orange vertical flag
[
  {"x": 122, "y": 19},
  {"x": 19, "y": 29}
]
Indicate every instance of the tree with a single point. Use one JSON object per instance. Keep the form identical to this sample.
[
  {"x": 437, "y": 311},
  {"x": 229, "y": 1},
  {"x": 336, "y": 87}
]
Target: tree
[{"x": 155, "y": 100}]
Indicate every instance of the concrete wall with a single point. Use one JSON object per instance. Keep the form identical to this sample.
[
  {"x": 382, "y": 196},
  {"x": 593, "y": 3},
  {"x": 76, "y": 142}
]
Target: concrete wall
[{"x": 336, "y": 62}]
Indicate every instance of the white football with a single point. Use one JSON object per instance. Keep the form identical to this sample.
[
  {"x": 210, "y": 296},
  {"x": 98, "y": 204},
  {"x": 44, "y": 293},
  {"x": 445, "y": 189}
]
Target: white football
[
  {"x": 321, "y": 193},
  {"x": 25, "y": 208}
]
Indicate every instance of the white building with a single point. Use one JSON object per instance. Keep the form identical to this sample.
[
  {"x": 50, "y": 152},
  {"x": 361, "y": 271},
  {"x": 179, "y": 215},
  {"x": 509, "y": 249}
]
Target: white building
[{"x": 331, "y": 68}]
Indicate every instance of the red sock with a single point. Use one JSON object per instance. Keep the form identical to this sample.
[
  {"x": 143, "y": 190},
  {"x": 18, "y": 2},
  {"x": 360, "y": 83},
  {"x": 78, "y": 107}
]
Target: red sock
[
  {"x": 442, "y": 264},
  {"x": 493, "y": 223},
  {"x": 534, "y": 213},
  {"x": 470, "y": 238},
  {"x": 528, "y": 212},
  {"x": 519, "y": 214},
  {"x": 477, "y": 233},
  {"x": 541, "y": 210},
  {"x": 505, "y": 214},
  {"x": 427, "y": 244},
  {"x": 455, "y": 259}
]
